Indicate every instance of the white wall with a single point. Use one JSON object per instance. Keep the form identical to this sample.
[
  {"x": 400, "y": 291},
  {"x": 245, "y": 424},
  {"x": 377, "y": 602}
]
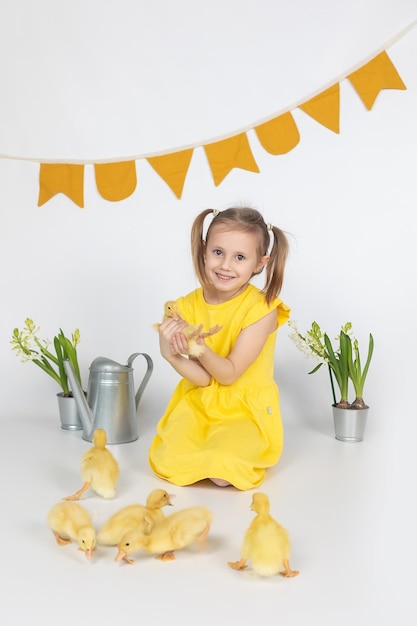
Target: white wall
[{"x": 100, "y": 80}]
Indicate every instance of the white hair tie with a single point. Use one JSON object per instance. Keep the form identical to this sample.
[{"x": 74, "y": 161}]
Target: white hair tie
[
  {"x": 214, "y": 214},
  {"x": 270, "y": 228}
]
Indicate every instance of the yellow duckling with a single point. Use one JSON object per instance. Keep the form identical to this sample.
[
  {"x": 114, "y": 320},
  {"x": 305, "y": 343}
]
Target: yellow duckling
[
  {"x": 191, "y": 331},
  {"x": 266, "y": 543},
  {"x": 134, "y": 516},
  {"x": 176, "y": 531},
  {"x": 69, "y": 521},
  {"x": 99, "y": 469}
]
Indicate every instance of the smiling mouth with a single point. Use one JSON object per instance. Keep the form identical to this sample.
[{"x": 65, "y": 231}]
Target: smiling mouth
[{"x": 223, "y": 277}]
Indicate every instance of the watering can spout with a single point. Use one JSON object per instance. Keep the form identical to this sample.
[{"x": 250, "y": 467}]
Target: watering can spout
[{"x": 84, "y": 411}]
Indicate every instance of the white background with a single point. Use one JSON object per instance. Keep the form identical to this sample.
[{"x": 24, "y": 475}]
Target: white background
[{"x": 101, "y": 80}]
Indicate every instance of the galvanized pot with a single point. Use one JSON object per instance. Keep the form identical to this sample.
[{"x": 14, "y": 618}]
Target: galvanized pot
[
  {"x": 68, "y": 413},
  {"x": 349, "y": 424}
]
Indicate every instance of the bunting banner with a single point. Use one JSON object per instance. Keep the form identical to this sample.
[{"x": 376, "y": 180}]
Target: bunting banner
[
  {"x": 173, "y": 168},
  {"x": 278, "y": 135},
  {"x": 61, "y": 178}
]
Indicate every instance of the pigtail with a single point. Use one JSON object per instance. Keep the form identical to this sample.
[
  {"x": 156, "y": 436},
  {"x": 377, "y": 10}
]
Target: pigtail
[
  {"x": 276, "y": 264},
  {"x": 198, "y": 246}
]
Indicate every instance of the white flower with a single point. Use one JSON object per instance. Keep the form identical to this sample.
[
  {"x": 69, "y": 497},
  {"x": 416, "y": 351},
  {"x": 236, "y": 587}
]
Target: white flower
[
  {"x": 310, "y": 344},
  {"x": 29, "y": 347}
]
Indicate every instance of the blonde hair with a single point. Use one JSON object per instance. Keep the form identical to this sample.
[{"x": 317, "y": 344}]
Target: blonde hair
[{"x": 246, "y": 220}]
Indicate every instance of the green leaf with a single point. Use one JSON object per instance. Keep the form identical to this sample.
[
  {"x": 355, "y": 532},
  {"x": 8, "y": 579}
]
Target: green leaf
[
  {"x": 70, "y": 353},
  {"x": 60, "y": 358},
  {"x": 368, "y": 359},
  {"x": 338, "y": 363}
]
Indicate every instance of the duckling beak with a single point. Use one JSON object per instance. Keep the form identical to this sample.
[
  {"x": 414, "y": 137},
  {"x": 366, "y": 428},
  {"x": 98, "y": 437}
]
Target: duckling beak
[
  {"x": 171, "y": 495},
  {"x": 89, "y": 554},
  {"x": 120, "y": 556}
]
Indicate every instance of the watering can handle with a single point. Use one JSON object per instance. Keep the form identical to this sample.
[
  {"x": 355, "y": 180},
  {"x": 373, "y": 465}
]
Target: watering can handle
[{"x": 147, "y": 376}]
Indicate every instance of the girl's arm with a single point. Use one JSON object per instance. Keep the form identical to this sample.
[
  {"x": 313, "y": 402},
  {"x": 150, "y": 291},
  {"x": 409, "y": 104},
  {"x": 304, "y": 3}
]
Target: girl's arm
[
  {"x": 188, "y": 368},
  {"x": 247, "y": 348}
]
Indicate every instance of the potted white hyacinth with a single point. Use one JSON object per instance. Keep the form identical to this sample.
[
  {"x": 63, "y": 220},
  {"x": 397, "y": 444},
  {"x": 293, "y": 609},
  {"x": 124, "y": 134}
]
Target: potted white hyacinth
[
  {"x": 344, "y": 365},
  {"x": 30, "y": 347}
]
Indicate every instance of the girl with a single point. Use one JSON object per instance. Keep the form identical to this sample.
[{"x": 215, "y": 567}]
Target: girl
[{"x": 223, "y": 421}]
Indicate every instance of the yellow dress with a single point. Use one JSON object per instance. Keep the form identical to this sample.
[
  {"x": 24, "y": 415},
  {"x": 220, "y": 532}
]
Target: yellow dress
[{"x": 233, "y": 431}]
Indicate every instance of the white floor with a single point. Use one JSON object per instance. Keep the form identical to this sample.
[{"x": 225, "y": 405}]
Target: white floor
[{"x": 349, "y": 509}]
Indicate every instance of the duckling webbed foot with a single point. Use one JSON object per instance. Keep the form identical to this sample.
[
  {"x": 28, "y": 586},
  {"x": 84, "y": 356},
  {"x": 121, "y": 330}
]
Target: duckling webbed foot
[
  {"x": 238, "y": 565},
  {"x": 166, "y": 556},
  {"x": 61, "y": 541},
  {"x": 288, "y": 572},
  {"x": 212, "y": 331},
  {"x": 77, "y": 495},
  {"x": 202, "y": 539}
]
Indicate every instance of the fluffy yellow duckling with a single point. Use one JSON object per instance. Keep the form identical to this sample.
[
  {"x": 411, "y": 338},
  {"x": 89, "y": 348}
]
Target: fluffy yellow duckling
[
  {"x": 176, "y": 531},
  {"x": 69, "y": 521},
  {"x": 134, "y": 516},
  {"x": 191, "y": 332},
  {"x": 266, "y": 543},
  {"x": 99, "y": 469}
]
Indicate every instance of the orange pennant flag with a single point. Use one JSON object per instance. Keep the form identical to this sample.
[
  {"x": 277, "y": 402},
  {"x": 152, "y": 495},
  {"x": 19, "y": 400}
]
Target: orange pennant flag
[
  {"x": 278, "y": 136},
  {"x": 173, "y": 168},
  {"x": 61, "y": 178},
  {"x": 376, "y": 75},
  {"x": 225, "y": 155},
  {"x": 115, "y": 181},
  {"x": 325, "y": 108}
]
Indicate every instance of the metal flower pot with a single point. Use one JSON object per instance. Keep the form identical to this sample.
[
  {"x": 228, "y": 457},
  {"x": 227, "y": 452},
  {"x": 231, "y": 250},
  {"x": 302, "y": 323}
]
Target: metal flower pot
[
  {"x": 68, "y": 413},
  {"x": 349, "y": 424}
]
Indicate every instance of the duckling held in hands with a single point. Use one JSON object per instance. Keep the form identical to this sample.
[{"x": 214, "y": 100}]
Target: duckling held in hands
[
  {"x": 266, "y": 543},
  {"x": 170, "y": 310},
  {"x": 134, "y": 516},
  {"x": 69, "y": 521},
  {"x": 99, "y": 469},
  {"x": 176, "y": 531},
  {"x": 191, "y": 331}
]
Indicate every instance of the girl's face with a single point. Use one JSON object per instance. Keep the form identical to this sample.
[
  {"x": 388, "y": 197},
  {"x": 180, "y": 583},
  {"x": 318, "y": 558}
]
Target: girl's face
[{"x": 231, "y": 259}]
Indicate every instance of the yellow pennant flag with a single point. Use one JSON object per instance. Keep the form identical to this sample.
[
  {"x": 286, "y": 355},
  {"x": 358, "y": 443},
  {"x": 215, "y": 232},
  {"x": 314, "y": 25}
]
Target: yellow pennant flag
[
  {"x": 173, "y": 168},
  {"x": 227, "y": 154},
  {"x": 278, "y": 136},
  {"x": 61, "y": 178},
  {"x": 376, "y": 75},
  {"x": 325, "y": 108},
  {"x": 115, "y": 181}
]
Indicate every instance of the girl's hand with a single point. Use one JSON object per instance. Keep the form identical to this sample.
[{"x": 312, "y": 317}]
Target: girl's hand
[
  {"x": 173, "y": 344},
  {"x": 179, "y": 344},
  {"x": 171, "y": 340}
]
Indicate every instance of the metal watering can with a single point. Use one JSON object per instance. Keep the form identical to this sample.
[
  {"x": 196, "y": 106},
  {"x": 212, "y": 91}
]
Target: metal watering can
[{"x": 111, "y": 402}]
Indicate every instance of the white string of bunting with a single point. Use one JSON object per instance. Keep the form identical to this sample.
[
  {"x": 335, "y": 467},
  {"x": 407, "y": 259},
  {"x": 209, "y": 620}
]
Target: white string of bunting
[{"x": 278, "y": 134}]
